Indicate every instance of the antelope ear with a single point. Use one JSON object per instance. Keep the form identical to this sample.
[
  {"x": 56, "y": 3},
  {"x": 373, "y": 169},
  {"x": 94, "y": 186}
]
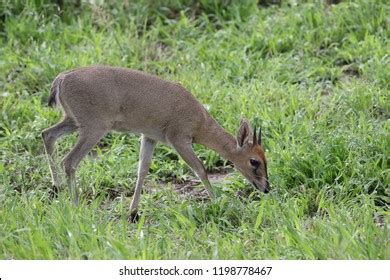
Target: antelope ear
[{"x": 243, "y": 133}]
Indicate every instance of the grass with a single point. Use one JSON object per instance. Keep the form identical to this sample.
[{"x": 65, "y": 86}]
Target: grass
[{"x": 315, "y": 77}]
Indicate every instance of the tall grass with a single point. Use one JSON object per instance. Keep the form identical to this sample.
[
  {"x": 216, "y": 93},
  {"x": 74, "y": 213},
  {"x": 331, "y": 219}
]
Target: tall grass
[{"x": 315, "y": 77}]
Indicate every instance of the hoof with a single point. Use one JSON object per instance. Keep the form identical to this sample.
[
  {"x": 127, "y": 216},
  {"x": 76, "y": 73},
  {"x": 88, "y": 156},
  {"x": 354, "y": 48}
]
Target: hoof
[
  {"x": 53, "y": 192},
  {"x": 134, "y": 217}
]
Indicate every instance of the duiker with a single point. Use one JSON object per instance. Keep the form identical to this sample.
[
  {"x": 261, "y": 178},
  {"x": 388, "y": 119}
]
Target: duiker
[{"x": 98, "y": 99}]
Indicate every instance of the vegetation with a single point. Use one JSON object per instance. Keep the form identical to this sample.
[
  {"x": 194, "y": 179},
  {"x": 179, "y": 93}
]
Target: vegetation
[{"x": 314, "y": 76}]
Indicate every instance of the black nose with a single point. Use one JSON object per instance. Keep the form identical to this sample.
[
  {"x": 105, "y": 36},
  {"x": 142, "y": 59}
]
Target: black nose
[{"x": 266, "y": 189}]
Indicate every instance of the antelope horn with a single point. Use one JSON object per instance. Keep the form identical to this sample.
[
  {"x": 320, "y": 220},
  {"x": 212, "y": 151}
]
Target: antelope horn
[
  {"x": 259, "y": 139},
  {"x": 254, "y": 136}
]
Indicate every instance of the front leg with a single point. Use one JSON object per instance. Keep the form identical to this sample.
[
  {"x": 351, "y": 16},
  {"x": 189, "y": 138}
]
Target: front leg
[
  {"x": 145, "y": 158},
  {"x": 184, "y": 149}
]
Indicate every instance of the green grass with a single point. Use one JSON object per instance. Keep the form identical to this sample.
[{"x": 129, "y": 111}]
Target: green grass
[{"x": 316, "y": 79}]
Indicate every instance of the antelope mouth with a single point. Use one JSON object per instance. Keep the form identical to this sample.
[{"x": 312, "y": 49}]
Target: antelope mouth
[{"x": 264, "y": 189}]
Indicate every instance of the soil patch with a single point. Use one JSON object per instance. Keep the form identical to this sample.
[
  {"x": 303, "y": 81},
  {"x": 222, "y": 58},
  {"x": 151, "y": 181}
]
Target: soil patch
[{"x": 194, "y": 187}]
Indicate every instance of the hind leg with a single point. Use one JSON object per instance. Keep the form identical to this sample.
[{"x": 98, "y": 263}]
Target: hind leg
[
  {"x": 88, "y": 137},
  {"x": 49, "y": 136}
]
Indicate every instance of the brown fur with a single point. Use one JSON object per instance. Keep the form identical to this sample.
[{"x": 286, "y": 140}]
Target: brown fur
[
  {"x": 53, "y": 90},
  {"x": 98, "y": 99}
]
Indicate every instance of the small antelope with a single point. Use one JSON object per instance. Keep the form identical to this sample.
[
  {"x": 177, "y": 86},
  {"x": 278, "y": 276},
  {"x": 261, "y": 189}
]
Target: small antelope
[{"x": 98, "y": 99}]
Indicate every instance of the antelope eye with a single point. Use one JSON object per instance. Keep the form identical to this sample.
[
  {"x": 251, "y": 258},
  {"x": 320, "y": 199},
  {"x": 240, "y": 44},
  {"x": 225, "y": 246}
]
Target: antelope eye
[{"x": 255, "y": 163}]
